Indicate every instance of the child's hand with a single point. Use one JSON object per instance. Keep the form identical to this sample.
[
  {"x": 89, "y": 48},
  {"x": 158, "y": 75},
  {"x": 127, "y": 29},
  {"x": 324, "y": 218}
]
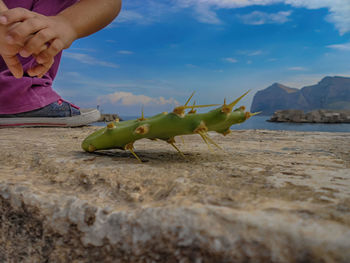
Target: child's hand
[
  {"x": 39, "y": 70},
  {"x": 41, "y": 36},
  {"x": 9, "y": 49},
  {"x": 44, "y": 37}
]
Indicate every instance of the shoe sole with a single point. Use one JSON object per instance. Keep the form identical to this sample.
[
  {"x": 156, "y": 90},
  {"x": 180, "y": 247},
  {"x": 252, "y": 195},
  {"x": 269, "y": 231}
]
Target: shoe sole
[{"x": 86, "y": 117}]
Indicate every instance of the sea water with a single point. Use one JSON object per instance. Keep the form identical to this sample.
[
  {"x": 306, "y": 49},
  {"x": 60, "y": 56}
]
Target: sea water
[{"x": 261, "y": 123}]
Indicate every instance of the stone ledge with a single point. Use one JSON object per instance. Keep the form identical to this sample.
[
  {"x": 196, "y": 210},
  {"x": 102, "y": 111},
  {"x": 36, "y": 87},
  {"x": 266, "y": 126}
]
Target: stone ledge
[
  {"x": 69, "y": 228},
  {"x": 271, "y": 197}
]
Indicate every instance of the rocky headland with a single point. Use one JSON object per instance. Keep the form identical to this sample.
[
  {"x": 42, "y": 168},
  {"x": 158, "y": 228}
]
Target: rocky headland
[
  {"x": 317, "y": 116},
  {"x": 267, "y": 196},
  {"x": 331, "y": 93},
  {"x": 108, "y": 117}
]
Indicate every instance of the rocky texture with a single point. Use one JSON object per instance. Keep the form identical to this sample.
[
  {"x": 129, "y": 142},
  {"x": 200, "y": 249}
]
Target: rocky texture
[
  {"x": 269, "y": 196},
  {"x": 318, "y": 116},
  {"x": 329, "y": 93},
  {"x": 107, "y": 117}
]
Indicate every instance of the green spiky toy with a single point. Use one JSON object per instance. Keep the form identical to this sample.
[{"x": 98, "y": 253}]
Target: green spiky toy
[{"x": 165, "y": 126}]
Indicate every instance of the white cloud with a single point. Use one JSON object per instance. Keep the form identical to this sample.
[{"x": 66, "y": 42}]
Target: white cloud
[
  {"x": 127, "y": 16},
  {"x": 226, "y": 3},
  {"x": 297, "y": 69},
  {"x": 206, "y": 15},
  {"x": 131, "y": 17},
  {"x": 149, "y": 11},
  {"x": 255, "y": 53},
  {"x": 83, "y": 49},
  {"x": 191, "y": 66},
  {"x": 230, "y": 60},
  {"x": 143, "y": 12},
  {"x": 339, "y": 10},
  {"x": 341, "y": 47},
  {"x": 87, "y": 59},
  {"x": 129, "y": 99},
  {"x": 261, "y": 18},
  {"x": 125, "y": 52}
]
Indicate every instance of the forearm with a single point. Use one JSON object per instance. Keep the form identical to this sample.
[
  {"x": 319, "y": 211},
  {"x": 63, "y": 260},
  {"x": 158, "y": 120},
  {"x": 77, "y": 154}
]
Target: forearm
[{"x": 89, "y": 16}]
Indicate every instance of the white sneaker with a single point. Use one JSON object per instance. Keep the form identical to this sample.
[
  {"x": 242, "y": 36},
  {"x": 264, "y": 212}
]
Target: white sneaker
[{"x": 57, "y": 114}]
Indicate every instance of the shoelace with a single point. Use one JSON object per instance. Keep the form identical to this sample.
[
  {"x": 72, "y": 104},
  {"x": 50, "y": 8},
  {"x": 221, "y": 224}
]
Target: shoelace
[{"x": 71, "y": 104}]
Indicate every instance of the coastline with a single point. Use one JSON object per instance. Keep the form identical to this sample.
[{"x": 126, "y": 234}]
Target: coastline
[
  {"x": 316, "y": 116},
  {"x": 268, "y": 195}
]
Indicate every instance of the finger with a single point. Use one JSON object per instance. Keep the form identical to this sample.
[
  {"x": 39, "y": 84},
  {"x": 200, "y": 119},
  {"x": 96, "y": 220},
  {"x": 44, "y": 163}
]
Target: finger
[
  {"x": 14, "y": 66},
  {"x": 3, "y": 7},
  {"x": 15, "y": 15},
  {"x": 20, "y": 33},
  {"x": 55, "y": 47},
  {"x": 41, "y": 49},
  {"x": 37, "y": 43},
  {"x": 41, "y": 69}
]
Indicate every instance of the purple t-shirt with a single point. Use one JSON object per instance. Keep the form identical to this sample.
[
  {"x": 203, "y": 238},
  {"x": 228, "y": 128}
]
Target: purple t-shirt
[{"x": 30, "y": 93}]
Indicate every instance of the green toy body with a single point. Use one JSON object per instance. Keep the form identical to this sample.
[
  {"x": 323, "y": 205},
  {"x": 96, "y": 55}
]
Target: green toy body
[{"x": 166, "y": 126}]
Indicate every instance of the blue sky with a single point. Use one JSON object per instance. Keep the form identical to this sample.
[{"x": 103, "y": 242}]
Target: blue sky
[{"x": 157, "y": 52}]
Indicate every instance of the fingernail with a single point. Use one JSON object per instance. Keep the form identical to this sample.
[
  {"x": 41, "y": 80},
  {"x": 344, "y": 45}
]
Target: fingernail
[
  {"x": 40, "y": 60},
  {"x": 3, "y": 20},
  {"x": 24, "y": 53},
  {"x": 31, "y": 73},
  {"x": 9, "y": 39},
  {"x": 18, "y": 75}
]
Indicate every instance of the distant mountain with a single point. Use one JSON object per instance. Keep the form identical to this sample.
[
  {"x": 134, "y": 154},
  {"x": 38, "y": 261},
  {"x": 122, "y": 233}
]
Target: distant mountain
[{"x": 329, "y": 93}]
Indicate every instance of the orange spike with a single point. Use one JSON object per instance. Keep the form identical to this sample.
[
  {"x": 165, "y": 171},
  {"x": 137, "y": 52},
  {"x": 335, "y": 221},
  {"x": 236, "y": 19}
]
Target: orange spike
[
  {"x": 228, "y": 108},
  {"x": 232, "y": 104},
  {"x": 212, "y": 141},
  {"x": 171, "y": 141},
  {"x": 111, "y": 125},
  {"x": 205, "y": 140},
  {"x": 201, "y": 128},
  {"x": 249, "y": 114},
  {"x": 130, "y": 147},
  {"x": 180, "y": 110},
  {"x": 142, "y": 115},
  {"x": 192, "y": 111},
  {"x": 190, "y": 98},
  {"x": 226, "y": 132}
]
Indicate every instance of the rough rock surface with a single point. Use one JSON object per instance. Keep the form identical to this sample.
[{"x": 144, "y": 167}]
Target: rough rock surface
[
  {"x": 317, "y": 116},
  {"x": 269, "y": 196}
]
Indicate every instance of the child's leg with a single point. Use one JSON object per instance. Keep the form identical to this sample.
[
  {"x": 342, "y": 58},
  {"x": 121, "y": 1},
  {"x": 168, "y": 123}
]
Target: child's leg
[{"x": 28, "y": 93}]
